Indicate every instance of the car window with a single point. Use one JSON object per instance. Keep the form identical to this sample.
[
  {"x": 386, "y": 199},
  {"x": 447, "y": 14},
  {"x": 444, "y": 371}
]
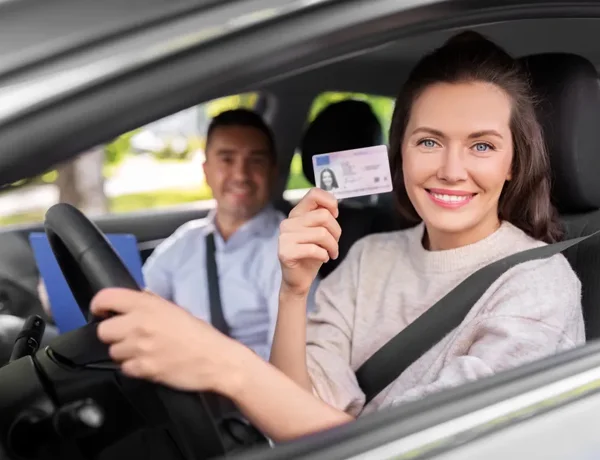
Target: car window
[
  {"x": 382, "y": 106},
  {"x": 154, "y": 166}
]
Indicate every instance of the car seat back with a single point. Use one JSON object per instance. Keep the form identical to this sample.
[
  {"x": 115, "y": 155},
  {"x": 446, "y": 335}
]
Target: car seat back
[{"x": 568, "y": 89}]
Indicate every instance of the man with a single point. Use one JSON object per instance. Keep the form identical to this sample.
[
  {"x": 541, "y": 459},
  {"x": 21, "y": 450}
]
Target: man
[{"x": 240, "y": 168}]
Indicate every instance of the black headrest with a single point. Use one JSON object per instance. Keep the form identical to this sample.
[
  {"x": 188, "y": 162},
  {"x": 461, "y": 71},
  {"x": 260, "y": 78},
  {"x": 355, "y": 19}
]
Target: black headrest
[
  {"x": 568, "y": 89},
  {"x": 343, "y": 125}
]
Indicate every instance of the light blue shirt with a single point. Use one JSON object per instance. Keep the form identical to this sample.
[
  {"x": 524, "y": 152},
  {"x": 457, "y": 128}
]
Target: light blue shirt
[{"x": 249, "y": 275}]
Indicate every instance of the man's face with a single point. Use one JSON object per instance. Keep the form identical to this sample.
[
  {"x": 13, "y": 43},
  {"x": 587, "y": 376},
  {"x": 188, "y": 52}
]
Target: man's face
[{"x": 239, "y": 169}]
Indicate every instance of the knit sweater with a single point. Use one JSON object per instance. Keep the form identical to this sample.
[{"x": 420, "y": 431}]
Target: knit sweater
[{"x": 388, "y": 280}]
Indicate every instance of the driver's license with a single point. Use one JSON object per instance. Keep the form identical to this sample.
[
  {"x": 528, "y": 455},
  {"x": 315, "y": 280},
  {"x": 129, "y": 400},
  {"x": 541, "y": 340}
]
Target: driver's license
[{"x": 352, "y": 173}]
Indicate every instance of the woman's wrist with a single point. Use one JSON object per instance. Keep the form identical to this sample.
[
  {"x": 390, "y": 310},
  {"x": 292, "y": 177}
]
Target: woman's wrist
[
  {"x": 235, "y": 363},
  {"x": 290, "y": 295}
]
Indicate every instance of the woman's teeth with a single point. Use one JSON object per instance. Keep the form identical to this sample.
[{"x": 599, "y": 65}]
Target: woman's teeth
[{"x": 451, "y": 198}]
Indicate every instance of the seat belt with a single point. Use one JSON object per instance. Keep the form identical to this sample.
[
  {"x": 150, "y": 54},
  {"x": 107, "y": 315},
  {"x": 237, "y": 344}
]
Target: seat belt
[
  {"x": 236, "y": 433},
  {"x": 391, "y": 360},
  {"x": 214, "y": 294}
]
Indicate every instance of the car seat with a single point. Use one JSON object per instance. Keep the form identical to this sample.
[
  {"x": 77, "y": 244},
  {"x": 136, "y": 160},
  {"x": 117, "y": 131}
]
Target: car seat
[
  {"x": 568, "y": 89},
  {"x": 346, "y": 125}
]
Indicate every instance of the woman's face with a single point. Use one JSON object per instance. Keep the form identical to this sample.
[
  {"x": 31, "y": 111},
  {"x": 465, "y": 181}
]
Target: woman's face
[
  {"x": 327, "y": 179},
  {"x": 456, "y": 156}
]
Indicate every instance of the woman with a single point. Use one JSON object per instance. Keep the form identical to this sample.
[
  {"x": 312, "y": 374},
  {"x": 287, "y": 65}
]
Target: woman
[
  {"x": 328, "y": 181},
  {"x": 469, "y": 164}
]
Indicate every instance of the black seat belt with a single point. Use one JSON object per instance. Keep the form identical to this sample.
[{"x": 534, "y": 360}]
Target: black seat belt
[
  {"x": 236, "y": 432},
  {"x": 214, "y": 293},
  {"x": 391, "y": 360}
]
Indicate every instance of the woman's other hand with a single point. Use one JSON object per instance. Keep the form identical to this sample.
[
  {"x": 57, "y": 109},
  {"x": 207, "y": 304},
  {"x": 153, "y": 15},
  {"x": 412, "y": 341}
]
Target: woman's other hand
[{"x": 308, "y": 238}]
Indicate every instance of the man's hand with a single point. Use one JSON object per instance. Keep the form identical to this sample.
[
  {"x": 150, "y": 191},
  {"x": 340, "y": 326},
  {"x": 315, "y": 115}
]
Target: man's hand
[{"x": 156, "y": 340}]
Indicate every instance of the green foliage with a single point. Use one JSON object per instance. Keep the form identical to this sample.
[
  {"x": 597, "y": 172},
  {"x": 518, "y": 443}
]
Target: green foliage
[
  {"x": 169, "y": 153},
  {"x": 296, "y": 179},
  {"x": 127, "y": 203},
  {"x": 119, "y": 148},
  {"x": 237, "y": 101},
  {"x": 158, "y": 199}
]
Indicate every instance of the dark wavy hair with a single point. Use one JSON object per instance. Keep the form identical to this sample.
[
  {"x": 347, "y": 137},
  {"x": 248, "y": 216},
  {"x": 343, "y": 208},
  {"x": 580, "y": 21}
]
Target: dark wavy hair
[{"x": 469, "y": 57}]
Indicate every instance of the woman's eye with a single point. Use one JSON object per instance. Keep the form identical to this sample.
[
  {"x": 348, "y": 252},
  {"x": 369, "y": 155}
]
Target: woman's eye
[
  {"x": 428, "y": 143},
  {"x": 482, "y": 147}
]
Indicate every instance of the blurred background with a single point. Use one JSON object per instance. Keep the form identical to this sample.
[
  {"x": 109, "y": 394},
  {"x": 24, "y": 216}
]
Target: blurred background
[{"x": 154, "y": 166}]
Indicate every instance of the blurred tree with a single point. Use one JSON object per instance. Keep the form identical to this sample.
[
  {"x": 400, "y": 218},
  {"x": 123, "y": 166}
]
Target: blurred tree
[
  {"x": 81, "y": 182},
  {"x": 119, "y": 148}
]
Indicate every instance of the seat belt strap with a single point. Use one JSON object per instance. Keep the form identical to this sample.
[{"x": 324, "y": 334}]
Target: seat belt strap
[
  {"x": 214, "y": 293},
  {"x": 391, "y": 360}
]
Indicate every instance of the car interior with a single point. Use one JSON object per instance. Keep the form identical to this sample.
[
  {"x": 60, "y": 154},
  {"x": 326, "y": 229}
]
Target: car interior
[{"x": 567, "y": 87}]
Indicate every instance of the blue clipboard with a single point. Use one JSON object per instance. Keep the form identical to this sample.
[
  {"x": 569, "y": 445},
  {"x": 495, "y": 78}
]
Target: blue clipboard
[{"x": 65, "y": 311}]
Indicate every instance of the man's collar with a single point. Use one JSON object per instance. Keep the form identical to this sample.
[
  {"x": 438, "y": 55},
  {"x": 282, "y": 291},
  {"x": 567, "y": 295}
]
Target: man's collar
[{"x": 254, "y": 226}]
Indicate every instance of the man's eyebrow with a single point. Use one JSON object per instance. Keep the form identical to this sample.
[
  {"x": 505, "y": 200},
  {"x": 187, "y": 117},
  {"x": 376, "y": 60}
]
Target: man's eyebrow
[
  {"x": 232, "y": 151},
  {"x": 225, "y": 151}
]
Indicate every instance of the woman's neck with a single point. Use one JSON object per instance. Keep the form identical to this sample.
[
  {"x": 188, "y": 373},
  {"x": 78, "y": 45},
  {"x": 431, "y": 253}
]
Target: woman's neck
[{"x": 436, "y": 240}]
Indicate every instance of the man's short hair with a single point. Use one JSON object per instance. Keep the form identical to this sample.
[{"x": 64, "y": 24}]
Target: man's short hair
[{"x": 245, "y": 118}]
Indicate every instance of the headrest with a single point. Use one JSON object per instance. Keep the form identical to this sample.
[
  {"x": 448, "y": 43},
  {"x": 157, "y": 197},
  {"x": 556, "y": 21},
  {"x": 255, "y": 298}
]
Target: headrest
[
  {"x": 568, "y": 90},
  {"x": 343, "y": 125}
]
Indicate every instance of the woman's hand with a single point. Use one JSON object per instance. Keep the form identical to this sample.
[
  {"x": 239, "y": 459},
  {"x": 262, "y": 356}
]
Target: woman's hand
[
  {"x": 154, "y": 339},
  {"x": 308, "y": 238}
]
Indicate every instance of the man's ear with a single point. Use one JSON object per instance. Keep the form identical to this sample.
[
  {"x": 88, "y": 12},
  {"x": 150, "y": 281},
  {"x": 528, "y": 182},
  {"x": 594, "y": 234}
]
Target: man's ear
[{"x": 204, "y": 169}]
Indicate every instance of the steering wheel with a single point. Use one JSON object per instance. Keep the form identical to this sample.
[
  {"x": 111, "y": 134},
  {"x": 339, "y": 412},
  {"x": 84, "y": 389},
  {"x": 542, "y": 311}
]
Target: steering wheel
[{"x": 90, "y": 264}]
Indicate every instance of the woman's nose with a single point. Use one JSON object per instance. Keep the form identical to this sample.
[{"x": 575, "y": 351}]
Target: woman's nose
[{"x": 452, "y": 168}]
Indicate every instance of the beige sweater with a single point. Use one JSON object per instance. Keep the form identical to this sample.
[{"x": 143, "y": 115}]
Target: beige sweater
[{"x": 388, "y": 280}]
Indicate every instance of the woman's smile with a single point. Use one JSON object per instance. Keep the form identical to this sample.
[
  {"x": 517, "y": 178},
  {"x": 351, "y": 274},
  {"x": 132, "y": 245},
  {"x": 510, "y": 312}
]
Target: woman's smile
[{"x": 450, "y": 199}]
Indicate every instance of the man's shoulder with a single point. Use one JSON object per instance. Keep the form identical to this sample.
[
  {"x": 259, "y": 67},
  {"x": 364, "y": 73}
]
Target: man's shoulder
[
  {"x": 192, "y": 229},
  {"x": 189, "y": 233}
]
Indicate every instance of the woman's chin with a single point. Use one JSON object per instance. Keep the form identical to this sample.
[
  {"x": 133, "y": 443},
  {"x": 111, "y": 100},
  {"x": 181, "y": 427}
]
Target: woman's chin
[{"x": 450, "y": 225}]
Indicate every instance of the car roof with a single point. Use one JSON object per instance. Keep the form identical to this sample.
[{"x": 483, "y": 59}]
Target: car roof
[{"x": 31, "y": 30}]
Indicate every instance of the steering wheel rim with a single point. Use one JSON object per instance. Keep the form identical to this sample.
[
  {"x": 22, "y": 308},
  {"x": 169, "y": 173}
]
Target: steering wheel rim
[
  {"x": 84, "y": 255},
  {"x": 90, "y": 264}
]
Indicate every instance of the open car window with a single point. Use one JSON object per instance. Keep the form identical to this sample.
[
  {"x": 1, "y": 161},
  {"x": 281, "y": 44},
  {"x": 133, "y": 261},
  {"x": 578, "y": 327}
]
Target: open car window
[{"x": 155, "y": 166}]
